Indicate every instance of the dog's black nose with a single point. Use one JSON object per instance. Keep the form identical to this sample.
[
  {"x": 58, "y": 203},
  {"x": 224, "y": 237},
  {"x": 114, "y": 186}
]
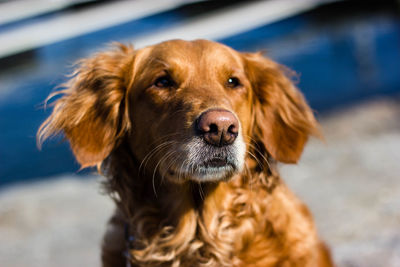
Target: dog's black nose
[{"x": 219, "y": 127}]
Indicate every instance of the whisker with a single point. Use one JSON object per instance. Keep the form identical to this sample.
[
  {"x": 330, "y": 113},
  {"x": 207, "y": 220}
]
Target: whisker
[
  {"x": 249, "y": 137},
  {"x": 192, "y": 168},
  {"x": 248, "y": 174},
  {"x": 153, "y": 180},
  {"x": 152, "y": 153},
  {"x": 163, "y": 158},
  {"x": 258, "y": 152},
  {"x": 255, "y": 158},
  {"x": 201, "y": 192},
  {"x": 154, "y": 150},
  {"x": 168, "y": 155},
  {"x": 264, "y": 158},
  {"x": 180, "y": 169}
]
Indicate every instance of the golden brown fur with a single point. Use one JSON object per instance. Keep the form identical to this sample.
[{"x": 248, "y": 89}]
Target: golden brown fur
[{"x": 118, "y": 117}]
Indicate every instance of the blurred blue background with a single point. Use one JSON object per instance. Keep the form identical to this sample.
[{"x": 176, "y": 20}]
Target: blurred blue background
[{"x": 344, "y": 52}]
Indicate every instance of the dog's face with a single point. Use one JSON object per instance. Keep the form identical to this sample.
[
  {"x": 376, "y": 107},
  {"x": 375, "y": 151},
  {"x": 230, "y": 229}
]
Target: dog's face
[{"x": 189, "y": 110}]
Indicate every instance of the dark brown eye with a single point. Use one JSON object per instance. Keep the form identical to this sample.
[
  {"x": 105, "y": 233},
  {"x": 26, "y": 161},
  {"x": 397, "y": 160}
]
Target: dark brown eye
[
  {"x": 164, "y": 82},
  {"x": 233, "y": 82}
]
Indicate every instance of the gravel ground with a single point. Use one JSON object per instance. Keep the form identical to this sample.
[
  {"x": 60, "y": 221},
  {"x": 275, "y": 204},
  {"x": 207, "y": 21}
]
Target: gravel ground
[{"x": 351, "y": 182}]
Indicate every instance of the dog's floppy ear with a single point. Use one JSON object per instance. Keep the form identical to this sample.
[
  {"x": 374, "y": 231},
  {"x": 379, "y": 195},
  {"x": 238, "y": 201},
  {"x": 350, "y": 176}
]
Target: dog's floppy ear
[
  {"x": 91, "y": 109},
  {"x": 282, "y": 118}
]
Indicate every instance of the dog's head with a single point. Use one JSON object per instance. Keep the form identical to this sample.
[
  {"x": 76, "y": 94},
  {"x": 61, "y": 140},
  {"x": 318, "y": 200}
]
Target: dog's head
[{"x": 189, "y": 110}]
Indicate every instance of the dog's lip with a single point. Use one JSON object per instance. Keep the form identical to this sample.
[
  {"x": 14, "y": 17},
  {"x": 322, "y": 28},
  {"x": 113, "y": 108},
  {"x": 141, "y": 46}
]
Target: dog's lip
[{"x": 216, "y": 162}]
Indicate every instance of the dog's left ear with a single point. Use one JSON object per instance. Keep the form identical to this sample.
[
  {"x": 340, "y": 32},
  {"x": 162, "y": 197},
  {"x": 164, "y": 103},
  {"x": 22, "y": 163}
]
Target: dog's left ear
[{"x": 282, "y": 118}]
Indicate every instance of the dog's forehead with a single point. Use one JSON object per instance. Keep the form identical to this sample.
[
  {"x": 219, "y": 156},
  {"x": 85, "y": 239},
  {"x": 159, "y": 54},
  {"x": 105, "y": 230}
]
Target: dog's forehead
[{"x": 198, "y": 52}]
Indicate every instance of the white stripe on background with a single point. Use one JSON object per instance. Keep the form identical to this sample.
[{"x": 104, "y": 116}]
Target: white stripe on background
[
  {"x": 12, "y": 11},
  {"x": 230, "y": 21},
  {"x": 79, "y": 22},
  {"x": 214, "y": 25}
]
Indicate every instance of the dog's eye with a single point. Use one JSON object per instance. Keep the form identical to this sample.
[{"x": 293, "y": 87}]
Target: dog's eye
[
  {"x": 164, "y": 82},
  {"x": 233, "y": 82}
]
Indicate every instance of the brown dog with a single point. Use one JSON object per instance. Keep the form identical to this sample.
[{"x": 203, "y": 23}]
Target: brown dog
[{"x": 189, "y": 134}]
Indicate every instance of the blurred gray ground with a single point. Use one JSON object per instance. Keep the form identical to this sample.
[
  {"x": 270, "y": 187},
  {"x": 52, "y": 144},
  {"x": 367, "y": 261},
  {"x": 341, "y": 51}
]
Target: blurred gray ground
[{"x": 351, "y": 183}]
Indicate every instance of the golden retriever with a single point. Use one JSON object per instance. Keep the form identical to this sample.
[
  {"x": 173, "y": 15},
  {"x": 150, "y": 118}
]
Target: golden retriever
[{"x": 189, "y": 134}]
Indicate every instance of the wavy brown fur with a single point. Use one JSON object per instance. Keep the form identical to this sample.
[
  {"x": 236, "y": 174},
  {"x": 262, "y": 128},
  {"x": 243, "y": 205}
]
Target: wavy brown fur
[{"x": 129, "y": 130}]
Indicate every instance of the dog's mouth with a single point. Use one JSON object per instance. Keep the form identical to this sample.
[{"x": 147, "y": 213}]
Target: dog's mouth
[
  {"x": 214, "y": 169},
  {"x": 216, "y": 163},
  {"x": 203, "y": 163}
]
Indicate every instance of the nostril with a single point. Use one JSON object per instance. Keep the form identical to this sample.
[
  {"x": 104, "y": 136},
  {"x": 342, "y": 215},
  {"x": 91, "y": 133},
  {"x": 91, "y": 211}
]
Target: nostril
[
  {"x": 233, "y": 129},
  {"x": 213, "y": 128}
]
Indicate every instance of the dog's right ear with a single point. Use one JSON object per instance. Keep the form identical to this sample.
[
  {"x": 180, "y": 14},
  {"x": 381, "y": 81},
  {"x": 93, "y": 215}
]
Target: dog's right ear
[{"x": 91, "y": 111}]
